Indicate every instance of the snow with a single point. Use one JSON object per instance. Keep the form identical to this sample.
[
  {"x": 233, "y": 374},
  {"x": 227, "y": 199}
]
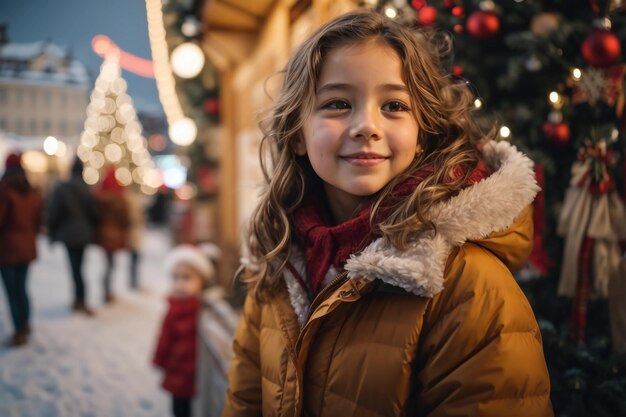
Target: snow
[
  {"x": 31, "y": 50},
  {"x": 76, "y": 72},
  {"x": 80, "y": 366},
  {"x": 21, "y": 51},
  {"x": 73, "y": 77}
]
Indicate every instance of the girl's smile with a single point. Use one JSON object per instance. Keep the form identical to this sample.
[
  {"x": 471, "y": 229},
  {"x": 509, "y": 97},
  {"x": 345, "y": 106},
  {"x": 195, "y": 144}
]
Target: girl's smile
[
  {"x": 361, "y": 132},
  {"x": 364, "y": 159}
]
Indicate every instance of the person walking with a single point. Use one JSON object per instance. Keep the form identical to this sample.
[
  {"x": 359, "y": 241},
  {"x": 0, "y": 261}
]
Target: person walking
[
  {"x": 112, "y": 234},
  {"x": 20, "y": 218},
  {"x": 137, "y": 223},
  {"x": 72, "y": 216}
]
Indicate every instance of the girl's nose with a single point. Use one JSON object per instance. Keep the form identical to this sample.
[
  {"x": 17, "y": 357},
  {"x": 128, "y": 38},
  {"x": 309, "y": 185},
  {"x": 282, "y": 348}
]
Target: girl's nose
[{"x": 366, "y": 125}]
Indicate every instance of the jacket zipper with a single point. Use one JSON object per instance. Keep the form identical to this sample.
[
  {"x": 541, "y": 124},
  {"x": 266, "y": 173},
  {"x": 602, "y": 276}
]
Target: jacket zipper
[
  {"x": 330, "y": 287},
  {"x": 321, "y": 296}
]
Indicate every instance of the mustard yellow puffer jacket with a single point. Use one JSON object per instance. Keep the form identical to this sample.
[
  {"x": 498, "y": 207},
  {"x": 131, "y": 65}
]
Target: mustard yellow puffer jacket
[{"x": 439, "y": 330}]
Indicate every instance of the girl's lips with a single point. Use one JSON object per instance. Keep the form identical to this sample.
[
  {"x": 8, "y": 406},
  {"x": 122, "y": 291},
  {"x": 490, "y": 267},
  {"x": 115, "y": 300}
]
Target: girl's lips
[{"x": 364, "y": 159}]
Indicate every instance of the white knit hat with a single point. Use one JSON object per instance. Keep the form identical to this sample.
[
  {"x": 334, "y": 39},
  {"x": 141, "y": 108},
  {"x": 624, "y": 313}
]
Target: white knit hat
[{"x": 194, "y": 257}]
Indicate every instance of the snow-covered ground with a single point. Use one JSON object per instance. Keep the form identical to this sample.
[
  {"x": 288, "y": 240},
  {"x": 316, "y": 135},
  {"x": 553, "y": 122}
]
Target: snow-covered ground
[{"x": 82, "y": 367}]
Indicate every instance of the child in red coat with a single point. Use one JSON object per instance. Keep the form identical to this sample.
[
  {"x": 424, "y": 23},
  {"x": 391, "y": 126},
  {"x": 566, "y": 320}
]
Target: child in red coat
[{"x": 191, "y": 272}]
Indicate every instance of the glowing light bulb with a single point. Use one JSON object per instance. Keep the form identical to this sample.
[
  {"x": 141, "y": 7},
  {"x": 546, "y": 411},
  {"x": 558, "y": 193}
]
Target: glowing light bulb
[
  {"x": 51, "y": 145},
  {"x": 554, "y": 97},
  {"x": 477, "y": 103},
  {"x": 576, "y": 74},
  {"x": 505, "y": 132},
  {"x": 183, "y": 131},
  {"x": 391, "y": 13},
  {"x": 187, "y": 60},
  {"x": 91, "y": 175}
]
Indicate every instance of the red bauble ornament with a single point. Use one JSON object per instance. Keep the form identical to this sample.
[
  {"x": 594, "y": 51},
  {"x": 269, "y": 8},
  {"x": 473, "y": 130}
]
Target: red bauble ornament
[
  {"x": 557, "y": 133},
  {"x": 427, "y": 15},
  {"x": 601, "y": 48},
  {"x": 418, "y": 4},
  {"x": 457, "y": 11},
  {"x": 211, "y": 105},
  {"x": 483, "y": 24},
  {"x": 604, "y": 187},
  {"x": 457, "y": 70}
]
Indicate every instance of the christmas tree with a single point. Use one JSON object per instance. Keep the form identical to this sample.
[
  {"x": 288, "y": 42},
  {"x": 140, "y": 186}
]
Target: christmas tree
[
  {"x": 549, "y": 76},
  {"x": 113, "y": 135}
]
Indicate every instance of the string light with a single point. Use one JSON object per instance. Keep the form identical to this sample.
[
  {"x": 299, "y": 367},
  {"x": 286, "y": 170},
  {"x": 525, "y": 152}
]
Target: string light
[
  {"x": 91, "y": 175},
  {"x": 505, "y": 132},
  {"x": 554, "y": 97},
  {"x": 391, "y": 12},
  {"x": 556, "y": 101},
  {"x": 187, "y": 60},
  {"x": 477, "y": 103},
  {"x": 50, "y": 145},
  {"x": 166, "y": 84},
  {"x": 186, "y": 192},
  {"x": 61, "y": 149},
  {"x": 123, "y": 175},
  {"x": 113, "y": 152},
  {"x": 148, "y": 190},
  {"x": 190, "y": 27},
  {"x": 183, "y": 132},
  {"x": 113, "y": 134},
  {"x": 576, "y": 74}
]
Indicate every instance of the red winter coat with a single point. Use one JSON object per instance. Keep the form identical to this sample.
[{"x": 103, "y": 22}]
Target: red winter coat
[
  {"x": 176, "y": 350},
  {"x": 112, "y": 233},
  {"x": 20, "y": 218}
]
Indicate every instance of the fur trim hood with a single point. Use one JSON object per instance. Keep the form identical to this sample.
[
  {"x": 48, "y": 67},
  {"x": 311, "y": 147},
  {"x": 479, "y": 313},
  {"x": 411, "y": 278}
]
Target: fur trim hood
[
  {"x": 490, "y": 206},
  {"x": 487, "y": 208}
]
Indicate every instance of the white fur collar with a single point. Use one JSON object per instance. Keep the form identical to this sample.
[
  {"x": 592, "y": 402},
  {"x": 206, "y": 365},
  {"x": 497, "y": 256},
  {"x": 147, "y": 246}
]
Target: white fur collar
[{"x": 492, "y": 205}]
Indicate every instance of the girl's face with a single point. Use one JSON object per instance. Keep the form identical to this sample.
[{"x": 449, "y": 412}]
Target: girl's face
[
  {"x": 187, "y": 281},
  {"x": 361, "y": 132}
]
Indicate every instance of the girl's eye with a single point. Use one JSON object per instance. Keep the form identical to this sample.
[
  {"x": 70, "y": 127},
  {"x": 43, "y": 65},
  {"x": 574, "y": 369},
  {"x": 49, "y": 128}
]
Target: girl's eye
[
  {"x": 336, "y": 105},
  {"x": 395, "y": 106}
]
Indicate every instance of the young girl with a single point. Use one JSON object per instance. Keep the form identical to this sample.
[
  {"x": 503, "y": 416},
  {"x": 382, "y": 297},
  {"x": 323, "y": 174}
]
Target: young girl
[
  {"x": 191, "y": 271},
  {"x": 383, "y": 247}
]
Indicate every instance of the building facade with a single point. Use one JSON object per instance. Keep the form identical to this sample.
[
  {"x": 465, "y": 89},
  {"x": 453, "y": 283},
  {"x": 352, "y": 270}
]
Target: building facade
[{"x": 43, "y": 91}]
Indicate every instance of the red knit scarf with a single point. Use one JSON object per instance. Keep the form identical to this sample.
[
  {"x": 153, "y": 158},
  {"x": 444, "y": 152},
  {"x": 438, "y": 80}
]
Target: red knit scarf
[{"x": 327, "y": 245}]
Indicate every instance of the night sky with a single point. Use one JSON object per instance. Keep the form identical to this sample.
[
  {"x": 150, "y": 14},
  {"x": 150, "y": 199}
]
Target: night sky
[{"x": 74, "y": 23}]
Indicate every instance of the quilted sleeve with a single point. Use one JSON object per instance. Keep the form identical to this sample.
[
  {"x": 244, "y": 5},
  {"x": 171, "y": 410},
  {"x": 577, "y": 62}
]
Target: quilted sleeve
[
  {"x": 481, "y": 351},
  {"x": 243, "y": 397}
]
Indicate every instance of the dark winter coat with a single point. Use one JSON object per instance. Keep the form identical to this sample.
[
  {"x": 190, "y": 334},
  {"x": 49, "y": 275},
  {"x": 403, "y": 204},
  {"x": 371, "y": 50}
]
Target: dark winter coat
[
  {"x": 72, "y": 213},
  {"x": 114, "y": 228},
  {"x": 20, "y": 218},
  {"x": 176, "y": 349}
]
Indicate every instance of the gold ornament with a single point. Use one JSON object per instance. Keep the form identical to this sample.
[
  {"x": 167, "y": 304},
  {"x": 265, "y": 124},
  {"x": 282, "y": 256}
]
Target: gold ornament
[{"x": 544, "y": 24}]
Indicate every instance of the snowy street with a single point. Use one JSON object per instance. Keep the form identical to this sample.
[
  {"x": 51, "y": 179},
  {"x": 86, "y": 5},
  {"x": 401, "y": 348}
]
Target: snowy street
[{"x": 80, "y": 366}]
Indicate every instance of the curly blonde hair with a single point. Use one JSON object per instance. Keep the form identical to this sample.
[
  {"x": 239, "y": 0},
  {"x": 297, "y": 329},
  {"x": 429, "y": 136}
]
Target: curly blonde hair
[{"x": 447, "y": 137}]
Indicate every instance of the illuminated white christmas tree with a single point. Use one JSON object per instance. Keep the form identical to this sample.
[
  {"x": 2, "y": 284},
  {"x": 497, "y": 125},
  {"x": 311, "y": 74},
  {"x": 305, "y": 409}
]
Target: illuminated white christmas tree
[{"x": 113, "y": 134}]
